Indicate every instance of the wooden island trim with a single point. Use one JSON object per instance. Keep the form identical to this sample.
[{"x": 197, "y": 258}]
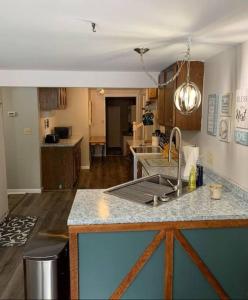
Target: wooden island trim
[{"x": 167, "y": 231}]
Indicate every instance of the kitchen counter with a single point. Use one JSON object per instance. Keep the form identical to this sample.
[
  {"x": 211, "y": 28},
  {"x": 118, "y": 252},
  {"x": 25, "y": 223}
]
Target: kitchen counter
[
  {"x": 71, "y": 142},
  {"x": 96, "y": 207},
  {"x": 111, "y": 238}
]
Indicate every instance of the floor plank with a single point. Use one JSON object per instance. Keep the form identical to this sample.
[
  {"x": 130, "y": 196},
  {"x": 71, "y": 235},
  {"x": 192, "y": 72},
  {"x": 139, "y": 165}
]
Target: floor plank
[
  {"x": 52, "y": 209},
  {"x": 110, "y": 171}
]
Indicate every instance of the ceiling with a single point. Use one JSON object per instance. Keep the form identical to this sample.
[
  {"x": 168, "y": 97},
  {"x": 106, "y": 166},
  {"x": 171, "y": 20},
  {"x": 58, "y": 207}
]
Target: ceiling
[{"x": 56, "y": 34}]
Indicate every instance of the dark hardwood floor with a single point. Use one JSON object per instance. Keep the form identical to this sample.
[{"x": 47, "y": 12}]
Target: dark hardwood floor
[
  {"x": 52, "y": 209},
  {"x": 105, "y": 173}
]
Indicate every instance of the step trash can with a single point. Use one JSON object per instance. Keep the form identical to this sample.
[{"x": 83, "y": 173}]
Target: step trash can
[{"x": 46, "y": 268}]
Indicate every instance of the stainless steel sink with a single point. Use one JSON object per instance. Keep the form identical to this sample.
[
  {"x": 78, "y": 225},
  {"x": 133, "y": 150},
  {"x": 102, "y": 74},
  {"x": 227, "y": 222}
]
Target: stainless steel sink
[{"x": 152, "y": 190}]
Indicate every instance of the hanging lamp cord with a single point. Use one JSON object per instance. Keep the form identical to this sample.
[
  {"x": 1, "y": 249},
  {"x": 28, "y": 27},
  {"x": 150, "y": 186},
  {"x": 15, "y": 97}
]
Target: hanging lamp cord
[{"x": 180, "y": 64}]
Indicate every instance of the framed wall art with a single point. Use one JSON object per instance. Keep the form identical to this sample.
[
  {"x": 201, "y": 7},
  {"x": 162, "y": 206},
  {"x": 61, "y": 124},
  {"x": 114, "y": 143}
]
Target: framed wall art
[
  {"x": 226, "y": 104},
  {"x": 224, "y": 133},
  {"x": 213, "y": 105},
  {"x": 241, "y": 117}
]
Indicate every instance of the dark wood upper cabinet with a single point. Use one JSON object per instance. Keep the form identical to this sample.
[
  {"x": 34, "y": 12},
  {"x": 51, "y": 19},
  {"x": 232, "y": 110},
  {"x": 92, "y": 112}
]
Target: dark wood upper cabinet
[
  {"x": 152, "y": 93},
  {"x": 161, "y": 101},
  {"x": 52, "y": 98},
  {"x": 168, "y": 115}
]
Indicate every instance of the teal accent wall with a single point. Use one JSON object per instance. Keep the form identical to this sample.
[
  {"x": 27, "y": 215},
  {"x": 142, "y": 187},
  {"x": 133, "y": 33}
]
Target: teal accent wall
[
  {"x": 225, "y": 252},
  {"x": 105, "y": 258},
  {"x": 149, "y": 284},
  {"x": 189, "y": 282}
]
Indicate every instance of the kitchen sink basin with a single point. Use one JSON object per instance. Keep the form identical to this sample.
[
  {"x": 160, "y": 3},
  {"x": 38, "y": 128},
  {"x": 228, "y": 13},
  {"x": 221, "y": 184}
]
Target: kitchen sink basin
[{"x": 151, "y": 190}]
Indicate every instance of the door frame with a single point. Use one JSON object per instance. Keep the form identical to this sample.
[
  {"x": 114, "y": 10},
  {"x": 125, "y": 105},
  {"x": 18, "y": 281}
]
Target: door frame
[{"x": 138, "y": 100}]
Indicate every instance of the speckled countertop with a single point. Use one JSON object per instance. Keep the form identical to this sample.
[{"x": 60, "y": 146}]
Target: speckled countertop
[
  {"x": 96, "y": 207},
  {"x": 71, "y": 142}
]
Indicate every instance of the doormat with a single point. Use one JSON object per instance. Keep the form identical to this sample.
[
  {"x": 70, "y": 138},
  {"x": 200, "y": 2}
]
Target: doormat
[{"x": 15, "y": 230}]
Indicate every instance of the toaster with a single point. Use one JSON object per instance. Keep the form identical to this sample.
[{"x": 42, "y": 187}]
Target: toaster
[{"x": 51, "y": 139}]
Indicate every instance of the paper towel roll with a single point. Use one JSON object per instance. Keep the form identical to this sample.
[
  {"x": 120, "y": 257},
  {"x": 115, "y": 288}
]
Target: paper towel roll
[{"x": 191, "y": 155}]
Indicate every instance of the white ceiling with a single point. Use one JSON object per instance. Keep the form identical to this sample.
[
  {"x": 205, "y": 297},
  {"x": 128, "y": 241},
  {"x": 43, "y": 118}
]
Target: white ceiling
[{"x": 52, "y": 34}]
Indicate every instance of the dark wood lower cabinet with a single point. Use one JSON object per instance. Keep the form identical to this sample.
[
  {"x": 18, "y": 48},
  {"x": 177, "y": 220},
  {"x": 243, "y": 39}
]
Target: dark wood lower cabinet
[
  {"x": 60, "y": 166},
  {"x": 139, "y": 169}
]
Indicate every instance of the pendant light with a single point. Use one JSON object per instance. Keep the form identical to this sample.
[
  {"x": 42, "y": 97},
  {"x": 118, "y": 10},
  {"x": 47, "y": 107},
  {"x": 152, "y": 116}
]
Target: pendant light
[{"x": 187, "y": 97}]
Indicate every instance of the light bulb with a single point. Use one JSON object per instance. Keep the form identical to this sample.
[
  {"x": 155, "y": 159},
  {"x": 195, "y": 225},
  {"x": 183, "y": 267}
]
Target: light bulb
[{"x": 187, "y": 98}]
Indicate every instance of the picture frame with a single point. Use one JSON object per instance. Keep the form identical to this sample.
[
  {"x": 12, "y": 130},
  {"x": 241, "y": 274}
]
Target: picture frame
[
  {"x": 226, "y": 104},
  {"x": 213, "y": 105}
]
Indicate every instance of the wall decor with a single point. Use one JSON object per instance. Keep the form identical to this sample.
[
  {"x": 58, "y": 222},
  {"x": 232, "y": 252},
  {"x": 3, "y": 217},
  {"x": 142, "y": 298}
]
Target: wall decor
[
  {"x": 241, "y": 137},
  {"x": 213, "y": 104},
  {"x": 225, "y": 129},
  {"x": 226, "y": 104},
  {"x": 241, "y": 117}
]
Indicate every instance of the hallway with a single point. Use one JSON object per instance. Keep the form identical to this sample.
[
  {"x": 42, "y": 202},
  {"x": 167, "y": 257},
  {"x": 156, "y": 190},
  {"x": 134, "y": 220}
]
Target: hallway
[{"x": 106, "y": 172}]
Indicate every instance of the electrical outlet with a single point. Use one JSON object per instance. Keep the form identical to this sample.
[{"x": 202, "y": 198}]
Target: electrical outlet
[{"x": 27, "y": 131}]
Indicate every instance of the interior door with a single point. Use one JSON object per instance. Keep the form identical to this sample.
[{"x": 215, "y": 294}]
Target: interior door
[{"x": 114, "y": 126}]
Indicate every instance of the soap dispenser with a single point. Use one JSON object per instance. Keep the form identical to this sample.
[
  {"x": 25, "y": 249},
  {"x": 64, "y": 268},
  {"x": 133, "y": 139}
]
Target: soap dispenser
[{"x": 192, "y": 179}]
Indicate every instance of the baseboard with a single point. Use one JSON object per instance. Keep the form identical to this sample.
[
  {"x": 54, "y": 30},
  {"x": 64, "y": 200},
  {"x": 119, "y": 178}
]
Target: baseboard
[
  {"x": 85, "y": 167},
  {"x": 4, "y": 216},
  {"x": 24, "y": 191}
]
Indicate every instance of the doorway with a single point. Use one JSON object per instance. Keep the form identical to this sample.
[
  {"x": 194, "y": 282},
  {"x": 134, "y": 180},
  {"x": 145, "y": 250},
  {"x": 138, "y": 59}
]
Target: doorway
[{"x": 120, "y": 115}]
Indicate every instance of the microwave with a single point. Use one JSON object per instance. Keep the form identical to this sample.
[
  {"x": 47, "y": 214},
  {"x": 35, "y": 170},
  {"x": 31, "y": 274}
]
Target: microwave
[{"x": 63, "y": 132}]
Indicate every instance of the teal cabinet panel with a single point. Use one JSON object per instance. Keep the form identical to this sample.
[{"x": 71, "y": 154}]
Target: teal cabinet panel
[
  {"x": 149, "y": 284},
  {"x": 225, "y": 252},
  {"x": 105, "y": 258},
  {"x": 188, "y": 282}
]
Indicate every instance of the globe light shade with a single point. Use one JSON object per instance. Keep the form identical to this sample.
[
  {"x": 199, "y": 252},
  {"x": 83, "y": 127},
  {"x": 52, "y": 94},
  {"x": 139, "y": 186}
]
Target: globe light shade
[{"x": 187, "y": 98}]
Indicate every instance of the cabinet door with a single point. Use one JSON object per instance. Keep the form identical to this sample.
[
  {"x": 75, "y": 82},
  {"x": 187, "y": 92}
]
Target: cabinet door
[
  {"x": 152, "y": 93},
  {"x": 160, "y": 106},
  {"x": 48, "y": 98},
  {"x": 192, "y": 121},
  {"x": 169, "y": 97},
  {"x": 139, "y": 169}
]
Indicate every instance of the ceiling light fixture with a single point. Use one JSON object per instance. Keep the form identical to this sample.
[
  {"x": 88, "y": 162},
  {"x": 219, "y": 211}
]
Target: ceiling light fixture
[
  {"x": 187, "y": 97},
  {"x": 93, "y": 25}
]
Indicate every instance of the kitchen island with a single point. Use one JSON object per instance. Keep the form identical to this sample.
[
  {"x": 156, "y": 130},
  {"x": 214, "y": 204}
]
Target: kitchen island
[{"x": 190, "y": 248}]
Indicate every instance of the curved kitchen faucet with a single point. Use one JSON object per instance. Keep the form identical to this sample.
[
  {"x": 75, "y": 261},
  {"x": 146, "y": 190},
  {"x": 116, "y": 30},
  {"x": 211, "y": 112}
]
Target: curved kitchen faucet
[{"x": 178, "y": 186}]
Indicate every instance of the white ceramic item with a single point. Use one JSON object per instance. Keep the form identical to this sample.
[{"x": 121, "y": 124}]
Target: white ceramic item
[{"x": 215, "y": 191}]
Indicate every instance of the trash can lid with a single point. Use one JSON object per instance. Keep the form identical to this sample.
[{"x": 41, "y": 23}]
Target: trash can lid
[{"x": 44, "y": 248}]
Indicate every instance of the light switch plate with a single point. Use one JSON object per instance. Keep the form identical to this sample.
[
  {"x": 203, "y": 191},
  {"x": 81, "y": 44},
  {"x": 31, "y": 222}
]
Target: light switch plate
[
  {"x": 27, "y": 131},
  {"x": 12, "y": 114}
]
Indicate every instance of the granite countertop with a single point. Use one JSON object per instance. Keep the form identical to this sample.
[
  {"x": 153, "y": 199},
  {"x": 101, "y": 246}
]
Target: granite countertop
[
  {"x": 71, "y": 142},
  {"x": 96, "y": 207}
]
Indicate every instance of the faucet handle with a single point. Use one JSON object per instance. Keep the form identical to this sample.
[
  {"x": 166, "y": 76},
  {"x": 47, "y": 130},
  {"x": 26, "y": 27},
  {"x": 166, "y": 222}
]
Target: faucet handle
[{"x": 171, "y": 184}]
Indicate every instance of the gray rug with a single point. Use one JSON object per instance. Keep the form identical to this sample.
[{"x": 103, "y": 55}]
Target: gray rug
[{"x": 15, "y": 230}]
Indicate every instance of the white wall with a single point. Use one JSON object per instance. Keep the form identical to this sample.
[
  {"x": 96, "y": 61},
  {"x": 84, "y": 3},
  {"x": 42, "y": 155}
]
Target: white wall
[
  {"x": 224, "y": 73},
  {"x": 34, "y": 78},
  {"x": 22, "y": 151},
  {"x": 3, "y": 182},
  {"x": 76, "y": 115}
]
